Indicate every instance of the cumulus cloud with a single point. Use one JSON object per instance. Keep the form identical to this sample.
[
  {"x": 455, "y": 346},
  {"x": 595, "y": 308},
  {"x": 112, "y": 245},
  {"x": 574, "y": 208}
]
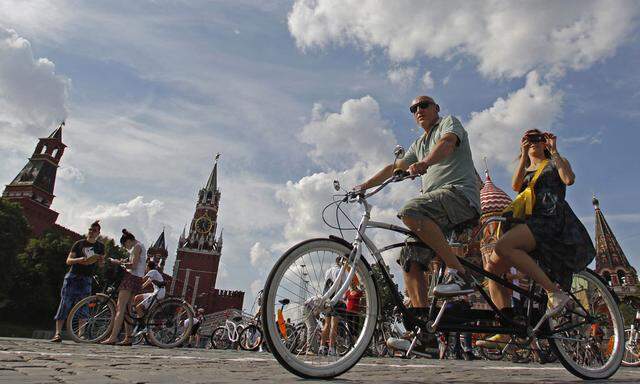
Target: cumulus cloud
[
  {"x": 140, "y": 217},
  {"x": 427, "y": 80},
  {"x": 70, "y": 173},
  {"x": 402, "y": 77},
  {"x": 32, "y": 95},
  {"x": 356, "y": 133},
  {"x": 496, "y": 131},
  {"x": 508, "y": 39},
  {"x": 259, "y": 255}
]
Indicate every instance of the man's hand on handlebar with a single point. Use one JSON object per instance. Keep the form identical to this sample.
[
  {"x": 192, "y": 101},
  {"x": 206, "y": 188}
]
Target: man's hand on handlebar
[{"x": 418, "y": 168}]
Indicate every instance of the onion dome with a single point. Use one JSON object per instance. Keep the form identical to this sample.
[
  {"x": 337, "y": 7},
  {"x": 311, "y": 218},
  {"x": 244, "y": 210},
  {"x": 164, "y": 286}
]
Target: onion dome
[{"x": 492, "y": 199}]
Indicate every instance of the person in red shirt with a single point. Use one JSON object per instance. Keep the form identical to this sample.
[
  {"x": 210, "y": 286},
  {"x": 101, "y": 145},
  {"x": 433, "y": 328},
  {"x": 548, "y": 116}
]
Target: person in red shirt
[{"x": 353, "y": 296}]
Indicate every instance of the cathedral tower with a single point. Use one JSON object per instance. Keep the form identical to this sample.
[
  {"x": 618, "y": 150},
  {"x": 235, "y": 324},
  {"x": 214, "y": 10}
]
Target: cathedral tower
[
  {"x": 611, "y": 262},
  {"x": 158, "y": 252}
]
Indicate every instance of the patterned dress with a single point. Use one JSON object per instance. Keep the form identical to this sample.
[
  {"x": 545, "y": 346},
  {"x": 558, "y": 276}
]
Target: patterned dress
[{"x": 563, "y": 245}]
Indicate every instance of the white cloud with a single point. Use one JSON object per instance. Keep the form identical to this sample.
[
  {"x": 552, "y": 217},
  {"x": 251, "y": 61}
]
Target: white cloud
[
  {"x": 506, "y": 38},
  {"x": 70, "y": 173},
  {"x": 356, "y": 133},
  {"x": 32, "y": 95},
  {"x": 427, "y": 81},
  {"x": 259, "y": 256},
  {"x": 402, "y": 77},
  {"x": 496, "y": 131}
]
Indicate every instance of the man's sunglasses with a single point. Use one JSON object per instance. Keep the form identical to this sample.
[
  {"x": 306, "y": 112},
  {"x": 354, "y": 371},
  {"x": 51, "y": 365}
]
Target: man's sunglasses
[{"x": 422, "y": 105}]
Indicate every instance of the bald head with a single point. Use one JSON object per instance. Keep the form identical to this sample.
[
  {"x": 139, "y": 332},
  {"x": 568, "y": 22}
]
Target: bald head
[{"x": 425, "y": 111}]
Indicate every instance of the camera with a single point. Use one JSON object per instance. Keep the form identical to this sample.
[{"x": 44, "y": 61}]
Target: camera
[{"x": 536, "y": 138}]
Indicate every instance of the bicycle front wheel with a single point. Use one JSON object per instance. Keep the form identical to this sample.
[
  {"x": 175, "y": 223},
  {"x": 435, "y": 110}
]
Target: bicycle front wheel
[
  {"x": 169, "y": 323},
  {"x": 220, "y": 339},
  {"x": 91, "y": 319},
  {"x": 631, "y": 348},
  {"x": 299, "y": 278},
  {"x": 590, "y": 347}
]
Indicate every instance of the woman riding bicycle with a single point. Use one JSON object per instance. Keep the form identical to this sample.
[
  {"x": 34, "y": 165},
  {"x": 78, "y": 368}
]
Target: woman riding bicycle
[
  {"x": 130, "y": 285},
  {"x": 551, "y": 234},
  {"x": 143, "y": 301}
]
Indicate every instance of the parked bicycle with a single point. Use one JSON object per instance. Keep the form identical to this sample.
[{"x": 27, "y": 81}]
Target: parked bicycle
[
  {"x": 91, "y": 319},
  {"x": 227, "y": 335},
  {"x": 567, "y": 331},
  {"x": 632, "y": 342}
]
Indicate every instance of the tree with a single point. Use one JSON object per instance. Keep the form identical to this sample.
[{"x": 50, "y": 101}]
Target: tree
[{"x": 14, "y": 232}]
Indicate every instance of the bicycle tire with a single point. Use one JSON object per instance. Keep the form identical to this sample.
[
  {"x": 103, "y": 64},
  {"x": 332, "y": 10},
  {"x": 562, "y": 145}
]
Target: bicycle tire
[
  {"x": 300, "y": 367},
  {"x": 101, "y": 310},
  {"x": 491, "y": 354},
  {"x": 569, "y": 360},
  {"x": 631, "y": 356},
  {"x": 165, "y": 323},
  {"x": 220, "y": 339},
  {"x": 255, "y": 335}
]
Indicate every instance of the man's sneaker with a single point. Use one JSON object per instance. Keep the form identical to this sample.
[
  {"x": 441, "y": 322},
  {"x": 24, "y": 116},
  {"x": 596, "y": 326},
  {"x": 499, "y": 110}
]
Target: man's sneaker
[
  {"x": 322, "y": 351},
  {"x": 331, "y": 352},
  {"x": 453, "y": 285}
]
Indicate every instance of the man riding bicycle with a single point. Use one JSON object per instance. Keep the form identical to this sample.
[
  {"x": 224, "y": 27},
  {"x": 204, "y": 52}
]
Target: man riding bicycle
[{"x": 450, "y": 196}]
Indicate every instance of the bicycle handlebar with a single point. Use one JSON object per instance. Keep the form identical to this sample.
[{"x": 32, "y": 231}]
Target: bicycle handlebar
[{"x": 398, "y": 175}]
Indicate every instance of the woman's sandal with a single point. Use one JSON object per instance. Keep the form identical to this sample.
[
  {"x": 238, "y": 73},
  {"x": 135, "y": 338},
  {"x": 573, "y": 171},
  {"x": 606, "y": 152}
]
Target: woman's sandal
[
  {"x": 124, "y": 343},
  {"x": 56, "y": 339},
  {"x": 108, "y": 342}
]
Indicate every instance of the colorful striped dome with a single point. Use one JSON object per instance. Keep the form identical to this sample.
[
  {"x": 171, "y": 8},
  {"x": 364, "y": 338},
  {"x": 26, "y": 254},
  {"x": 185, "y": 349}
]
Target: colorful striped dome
[{"x": 492, "y": 199}]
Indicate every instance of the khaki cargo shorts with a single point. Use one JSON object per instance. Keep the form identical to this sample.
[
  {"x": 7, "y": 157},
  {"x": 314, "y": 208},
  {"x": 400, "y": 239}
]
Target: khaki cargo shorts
[{"x": 447, "y": 207}]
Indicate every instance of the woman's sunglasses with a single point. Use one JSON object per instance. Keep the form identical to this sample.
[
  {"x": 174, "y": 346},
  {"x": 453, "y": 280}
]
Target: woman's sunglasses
[{"x": 422, "y": 105}]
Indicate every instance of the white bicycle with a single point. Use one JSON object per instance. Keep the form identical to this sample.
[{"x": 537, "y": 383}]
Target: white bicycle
[{"x": 226, "y": 336}]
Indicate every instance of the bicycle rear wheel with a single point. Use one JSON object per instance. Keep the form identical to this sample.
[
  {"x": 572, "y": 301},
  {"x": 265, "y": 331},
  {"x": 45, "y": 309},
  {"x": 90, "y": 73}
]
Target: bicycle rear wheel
[
  {"x": 250, "y": 338},
  {"x": 220, "y": 339},
  {"x": 298, "y": 277},
  {"x": 590, "y": 350},
  {"x": 169, "y": 323},
  {"x": 91, "y": 319}
]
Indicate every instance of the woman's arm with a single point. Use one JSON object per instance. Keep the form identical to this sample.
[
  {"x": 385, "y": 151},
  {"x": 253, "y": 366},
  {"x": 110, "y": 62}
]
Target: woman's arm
[
  {"x": 564, "y": 168},
  {"x": 521, "y": 169},
  {"x": 137, "y": 251}
]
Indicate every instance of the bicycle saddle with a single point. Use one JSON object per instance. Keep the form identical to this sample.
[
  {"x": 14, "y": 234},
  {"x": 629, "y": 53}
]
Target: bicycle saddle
[{"x": 284, "y": 301}]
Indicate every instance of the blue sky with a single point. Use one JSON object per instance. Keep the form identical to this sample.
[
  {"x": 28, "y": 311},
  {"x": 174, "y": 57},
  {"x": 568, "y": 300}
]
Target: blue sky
[{"x": 295, "y": 94}]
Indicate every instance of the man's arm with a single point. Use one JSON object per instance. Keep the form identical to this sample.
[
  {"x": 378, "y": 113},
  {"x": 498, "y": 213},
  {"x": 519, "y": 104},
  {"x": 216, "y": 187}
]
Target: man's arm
[
  {"x": 445, "y": 147},
  {"x": 73, "y": 258},
  {"x": 382, "y": 175}
]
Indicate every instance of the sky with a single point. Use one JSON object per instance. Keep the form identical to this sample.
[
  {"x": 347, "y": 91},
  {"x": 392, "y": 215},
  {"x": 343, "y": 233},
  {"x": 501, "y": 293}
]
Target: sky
[{"x": 296, "y": 94}]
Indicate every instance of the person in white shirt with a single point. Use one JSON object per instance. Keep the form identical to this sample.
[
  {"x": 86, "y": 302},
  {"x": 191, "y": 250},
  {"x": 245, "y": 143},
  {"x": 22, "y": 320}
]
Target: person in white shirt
[
  {"x": 153, "y": 277},
  {"x": 330, "y": 326}
]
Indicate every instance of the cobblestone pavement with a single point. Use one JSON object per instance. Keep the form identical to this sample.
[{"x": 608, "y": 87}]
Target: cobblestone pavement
[{"x": 37, "y": 361}]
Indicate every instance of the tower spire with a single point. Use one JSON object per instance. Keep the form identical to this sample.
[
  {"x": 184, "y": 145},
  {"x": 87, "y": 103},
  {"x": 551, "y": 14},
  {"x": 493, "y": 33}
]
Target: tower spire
[
  {"x": 212, "y": 183},
  {"x": 611, "y": 263}
]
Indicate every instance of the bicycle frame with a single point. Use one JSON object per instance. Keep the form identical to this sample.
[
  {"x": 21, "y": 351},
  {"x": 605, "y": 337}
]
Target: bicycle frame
[{"x": 436, "y": 324}]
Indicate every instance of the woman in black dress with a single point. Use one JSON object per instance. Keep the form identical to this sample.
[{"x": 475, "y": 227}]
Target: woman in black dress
[{"x": 553, "y": 235}]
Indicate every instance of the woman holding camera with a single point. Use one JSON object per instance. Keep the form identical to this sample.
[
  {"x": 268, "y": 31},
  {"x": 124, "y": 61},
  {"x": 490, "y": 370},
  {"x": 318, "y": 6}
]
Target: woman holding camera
[
  {"x": 130, "y": 285},
  {"x": 552, "y": 234}
]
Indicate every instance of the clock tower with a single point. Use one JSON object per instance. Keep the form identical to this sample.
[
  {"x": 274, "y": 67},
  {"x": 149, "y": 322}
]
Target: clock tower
[{"x": 198, "y": 255}]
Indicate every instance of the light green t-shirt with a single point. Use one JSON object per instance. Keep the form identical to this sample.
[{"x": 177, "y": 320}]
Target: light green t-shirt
[{"x": 456, "y": 169}]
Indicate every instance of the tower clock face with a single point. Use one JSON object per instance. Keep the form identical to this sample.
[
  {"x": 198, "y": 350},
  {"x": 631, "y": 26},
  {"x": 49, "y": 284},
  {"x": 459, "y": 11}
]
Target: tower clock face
[{"x": 204, "y": 224}]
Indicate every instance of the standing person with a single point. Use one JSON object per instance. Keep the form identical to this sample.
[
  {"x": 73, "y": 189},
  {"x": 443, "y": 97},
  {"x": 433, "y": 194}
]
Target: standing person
[
  {"x": 84, "y": 255},
  {"x": 331, "y": 321},
  {"x": 130, "y": 285},
  {"x": 353, "y": 310},
  {"x": 450, "y": 196},
  {"x": 197, "y": 323},
  {"x": 553, "y": 235}
]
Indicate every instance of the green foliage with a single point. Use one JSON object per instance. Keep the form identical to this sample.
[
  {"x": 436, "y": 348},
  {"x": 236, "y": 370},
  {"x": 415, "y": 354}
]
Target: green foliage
[
  {"x": 14, "y": 233},
  {"x": 384, "y": 292}
]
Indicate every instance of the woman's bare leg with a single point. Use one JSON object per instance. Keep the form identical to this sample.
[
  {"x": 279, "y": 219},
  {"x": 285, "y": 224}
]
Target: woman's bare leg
[
  {"x": 123, "y": 301},
  {"x": 500, "y": 294},
  {"x": 514, "y": 246}
]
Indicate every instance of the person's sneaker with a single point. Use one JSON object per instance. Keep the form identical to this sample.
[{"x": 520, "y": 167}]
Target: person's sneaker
[
  {"x": 556, "y": 302},
  {"x": 454, "y": 284},
  {"x": 322, "y": 351},
  {"x": 398, "y": 344},
  {"x": 331, "y": 352}
]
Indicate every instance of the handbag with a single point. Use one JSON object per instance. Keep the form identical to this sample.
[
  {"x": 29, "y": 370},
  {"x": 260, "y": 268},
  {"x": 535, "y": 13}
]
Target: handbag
[{"x": 522, "y": 206}]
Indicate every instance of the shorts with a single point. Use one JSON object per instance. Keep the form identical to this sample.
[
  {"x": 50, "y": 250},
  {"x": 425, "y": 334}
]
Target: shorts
[
  {"x": 74, "y": 288},
  {"x": 447, "y": 207},
  {"x": 194, "y": 328},
  {"x": 131, "y": 283},
  {"x": 152, "y": 298},
  {"x": 339, "y": 309}
]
